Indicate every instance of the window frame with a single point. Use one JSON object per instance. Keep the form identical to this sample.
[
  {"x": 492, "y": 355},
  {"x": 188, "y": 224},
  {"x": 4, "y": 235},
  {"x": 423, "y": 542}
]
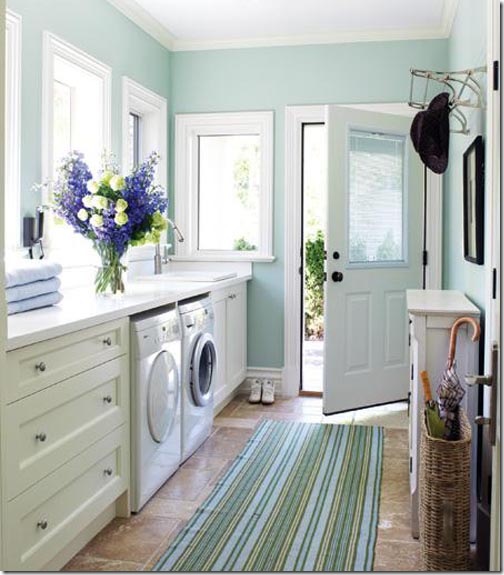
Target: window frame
[
  {"x": 188, "y": 129},
  {"x": 56, "y": 46},
  {"x": 152, "y": 109},
  {"x": 137, "y": 144},
  {"x": 13, "y": 75}
]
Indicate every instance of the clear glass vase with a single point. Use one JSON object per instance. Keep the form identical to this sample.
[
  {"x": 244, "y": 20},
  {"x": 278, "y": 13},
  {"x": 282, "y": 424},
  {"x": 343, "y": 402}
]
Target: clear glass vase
[{"x": 109, "y": 278}]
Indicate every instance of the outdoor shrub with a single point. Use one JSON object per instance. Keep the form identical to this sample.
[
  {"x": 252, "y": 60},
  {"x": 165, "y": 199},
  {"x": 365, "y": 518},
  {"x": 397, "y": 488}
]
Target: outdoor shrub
[{"x": 314, "y": 286}]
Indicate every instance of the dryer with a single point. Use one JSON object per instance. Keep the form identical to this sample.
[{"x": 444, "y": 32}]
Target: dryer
[
  {"x": 155, "y": 402},
  {"x": 199, "y": 364}
]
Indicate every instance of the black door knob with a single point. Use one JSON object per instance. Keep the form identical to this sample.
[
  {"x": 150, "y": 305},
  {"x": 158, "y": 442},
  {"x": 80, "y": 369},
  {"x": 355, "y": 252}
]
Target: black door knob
[
  {"x": 336, "y": 255},
  {"x": 337, "y": 277}
]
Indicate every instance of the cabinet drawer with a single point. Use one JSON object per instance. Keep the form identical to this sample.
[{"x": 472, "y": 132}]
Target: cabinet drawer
[
  {"x": 47, "y": 429},
  {"x": 37, "y": 366},
  {"x": 44, "y": 519}
]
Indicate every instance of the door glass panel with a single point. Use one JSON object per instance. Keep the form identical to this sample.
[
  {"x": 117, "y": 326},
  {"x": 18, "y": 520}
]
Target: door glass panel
[
  {"x": 376, "y": 197},
  {"x": 229, "y": 186},
  {"x": 162, "y": 398}
]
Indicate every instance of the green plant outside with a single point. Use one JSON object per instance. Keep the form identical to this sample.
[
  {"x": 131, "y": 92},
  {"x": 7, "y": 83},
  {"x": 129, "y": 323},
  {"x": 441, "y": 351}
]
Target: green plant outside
[
  {"x": 242, "y": 245},
  {"x": 314, "y": 286}
]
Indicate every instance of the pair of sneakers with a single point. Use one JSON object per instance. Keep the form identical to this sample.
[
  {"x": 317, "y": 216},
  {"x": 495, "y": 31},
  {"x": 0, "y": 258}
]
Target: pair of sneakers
[{"x": 262, "y": 391}]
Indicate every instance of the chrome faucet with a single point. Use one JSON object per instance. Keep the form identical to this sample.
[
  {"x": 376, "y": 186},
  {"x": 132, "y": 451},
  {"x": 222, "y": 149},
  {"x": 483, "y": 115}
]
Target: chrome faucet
[
  {"x": 158, "y": 268},
  {"x": 158, "y": 261},
  {"x": 176, "y": 229}
]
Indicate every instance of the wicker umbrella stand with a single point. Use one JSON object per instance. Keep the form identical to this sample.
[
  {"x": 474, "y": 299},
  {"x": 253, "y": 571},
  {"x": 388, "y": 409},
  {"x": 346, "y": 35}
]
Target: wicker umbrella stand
[{"x": 445, "y": 474}]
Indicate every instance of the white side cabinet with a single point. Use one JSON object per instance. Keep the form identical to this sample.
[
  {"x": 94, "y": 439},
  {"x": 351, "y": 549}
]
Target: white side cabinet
[
  {"x": 64, "y": 443},
  {"x": 230, "y": 307},
  {"x": 431, "y": 315}
]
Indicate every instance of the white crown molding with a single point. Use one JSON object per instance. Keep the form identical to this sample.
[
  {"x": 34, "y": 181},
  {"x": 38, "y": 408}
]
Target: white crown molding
[
  {"x": 350, "y": 36},
  {"x": 149, "y": 24},
  {"x": 144, "y": 20}
]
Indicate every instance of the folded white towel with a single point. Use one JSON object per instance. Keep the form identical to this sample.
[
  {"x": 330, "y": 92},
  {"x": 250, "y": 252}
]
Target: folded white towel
[
  {"x": 23, "y": 272},
  {"x": 44, "y": 300},
  {"x": 26, "y": 291}
]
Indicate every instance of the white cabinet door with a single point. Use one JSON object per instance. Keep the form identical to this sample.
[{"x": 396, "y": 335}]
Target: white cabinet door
[
  {"x": 220, "y": 389},
  {"x": 236, "y": 336}
]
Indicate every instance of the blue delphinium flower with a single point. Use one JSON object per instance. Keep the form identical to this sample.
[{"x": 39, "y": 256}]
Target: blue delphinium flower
[{"x": 114, "y": 212}]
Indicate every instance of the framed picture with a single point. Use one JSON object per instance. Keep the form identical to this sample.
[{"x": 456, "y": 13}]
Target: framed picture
[{"x": 474, "y": 196}]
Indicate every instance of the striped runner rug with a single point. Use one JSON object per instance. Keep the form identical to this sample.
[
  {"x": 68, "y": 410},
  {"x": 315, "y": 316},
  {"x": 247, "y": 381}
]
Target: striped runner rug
[{"x": 299, "y": 497}]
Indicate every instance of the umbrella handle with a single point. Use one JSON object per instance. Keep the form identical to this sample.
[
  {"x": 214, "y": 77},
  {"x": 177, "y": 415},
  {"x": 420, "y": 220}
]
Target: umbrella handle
[{"x": 453, "y": 335}]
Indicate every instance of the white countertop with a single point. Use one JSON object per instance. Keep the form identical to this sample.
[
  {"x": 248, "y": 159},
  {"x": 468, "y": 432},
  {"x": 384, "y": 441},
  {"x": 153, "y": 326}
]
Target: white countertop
[
  {"x": 82, "y": 308},
  {"x": 440, "y": 302}
]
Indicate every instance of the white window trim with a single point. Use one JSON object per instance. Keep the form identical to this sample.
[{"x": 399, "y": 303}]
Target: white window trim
[
  {"x": 187, "y": 129},
  {"x": 55, "y": 46},
  {"x": 295, "y": 117},
  {"x": 142, "y": 101},
  {"x": 13, "y": 127}
]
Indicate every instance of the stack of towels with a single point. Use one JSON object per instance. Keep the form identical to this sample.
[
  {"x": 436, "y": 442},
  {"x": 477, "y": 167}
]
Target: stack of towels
[{"x": 31, "y": 284}]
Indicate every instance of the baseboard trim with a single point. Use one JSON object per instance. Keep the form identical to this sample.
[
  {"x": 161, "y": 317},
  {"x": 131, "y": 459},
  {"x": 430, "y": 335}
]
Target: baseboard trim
[{"x": 218, "y": 407}]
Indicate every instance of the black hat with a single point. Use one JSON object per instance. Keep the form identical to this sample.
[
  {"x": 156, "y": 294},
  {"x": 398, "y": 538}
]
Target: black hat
[{"x": 430, "y": 133}]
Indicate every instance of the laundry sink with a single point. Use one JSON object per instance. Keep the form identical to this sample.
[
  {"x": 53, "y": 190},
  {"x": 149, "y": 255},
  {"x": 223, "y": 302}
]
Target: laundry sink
[{"x": 190, "y": 276}]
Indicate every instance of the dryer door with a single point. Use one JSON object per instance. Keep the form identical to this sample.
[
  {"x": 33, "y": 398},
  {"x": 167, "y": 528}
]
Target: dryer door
[
  {"x": 162, "y": 396},
  {"x": 203, "y": 368}
]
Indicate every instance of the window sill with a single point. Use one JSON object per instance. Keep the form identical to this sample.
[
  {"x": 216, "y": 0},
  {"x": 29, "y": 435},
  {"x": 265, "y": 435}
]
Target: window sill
[{"x": 223, "y": 258}]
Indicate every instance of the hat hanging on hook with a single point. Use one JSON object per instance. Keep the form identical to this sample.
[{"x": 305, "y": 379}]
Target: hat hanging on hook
[{"x": 430, "y": 133}]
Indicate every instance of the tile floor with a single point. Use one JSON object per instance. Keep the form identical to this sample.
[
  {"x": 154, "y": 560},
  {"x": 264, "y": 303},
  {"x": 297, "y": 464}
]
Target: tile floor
[{"x": 136, "y": 544}]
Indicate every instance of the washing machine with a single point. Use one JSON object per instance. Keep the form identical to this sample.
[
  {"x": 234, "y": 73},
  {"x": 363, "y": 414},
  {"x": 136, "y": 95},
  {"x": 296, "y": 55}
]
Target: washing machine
[
  {"x": 155, "y": 402},
  {"x": 199, "y": 364}
]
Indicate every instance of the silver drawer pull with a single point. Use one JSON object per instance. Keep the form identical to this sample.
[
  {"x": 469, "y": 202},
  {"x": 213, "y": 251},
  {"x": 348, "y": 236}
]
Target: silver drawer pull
[
  {"x": 107, "y": 341},
  {"x": 108, "y": 471},
  {"x": 41, "y": 366},
  {"x": 107, "y": 399},
  {"x": 42, "y": 524},
  {"x": 41, "y": 437}
]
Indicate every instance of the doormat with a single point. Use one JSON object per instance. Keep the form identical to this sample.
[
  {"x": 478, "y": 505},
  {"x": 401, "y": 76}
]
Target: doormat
[{"x": 299, "y": 497}]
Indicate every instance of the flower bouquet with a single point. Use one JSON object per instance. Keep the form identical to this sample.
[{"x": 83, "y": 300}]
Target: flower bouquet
[{"x": 113, "y": 211}]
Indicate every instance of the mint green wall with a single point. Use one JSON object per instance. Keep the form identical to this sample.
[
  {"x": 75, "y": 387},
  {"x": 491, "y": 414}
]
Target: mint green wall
[
  {"x": 100, "y": 30},
  {"x": 220, "y": 80},
  {"x": 270, "y": 79},
  {"x": 466, "y": 49}
]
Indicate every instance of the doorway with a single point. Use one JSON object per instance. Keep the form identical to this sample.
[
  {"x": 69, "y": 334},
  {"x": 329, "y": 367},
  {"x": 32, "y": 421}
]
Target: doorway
[
  {"x": 296, "y": 117},
  {"x": 313, "y": 230}
]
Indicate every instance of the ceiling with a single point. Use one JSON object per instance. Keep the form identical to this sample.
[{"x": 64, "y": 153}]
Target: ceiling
[{"x": 213, "y": 24}]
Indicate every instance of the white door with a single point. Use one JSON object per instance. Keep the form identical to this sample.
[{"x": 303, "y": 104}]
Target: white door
[{"x": 374, "y": 253}]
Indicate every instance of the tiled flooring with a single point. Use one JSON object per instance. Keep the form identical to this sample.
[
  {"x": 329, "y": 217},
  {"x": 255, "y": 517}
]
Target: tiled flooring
[{"x": 136, "y": 544}]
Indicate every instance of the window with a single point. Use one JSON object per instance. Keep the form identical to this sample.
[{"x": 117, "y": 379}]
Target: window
[
  {"x": 223, "y": 189},
  {"x": 229, "y": 183},
  {"x": 76, "y": 116},
  {"x": 12, "y": 130},
  {"x": 145, "y": 127},
  {"x": 376, "y": 198}
]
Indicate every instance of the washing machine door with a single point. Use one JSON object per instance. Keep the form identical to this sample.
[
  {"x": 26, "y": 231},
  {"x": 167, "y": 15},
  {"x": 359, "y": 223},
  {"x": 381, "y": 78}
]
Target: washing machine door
[
  {"x": 203, "y": 369},
  {"x": 162, "y": 396}
]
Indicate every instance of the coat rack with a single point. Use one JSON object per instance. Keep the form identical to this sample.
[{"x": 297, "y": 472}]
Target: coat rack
[{"x": 464, "y": 88}]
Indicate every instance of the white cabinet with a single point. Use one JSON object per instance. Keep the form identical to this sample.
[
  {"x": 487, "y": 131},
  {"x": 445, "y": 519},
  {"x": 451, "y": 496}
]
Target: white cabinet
[
  {"x": 432, "y": 314},
  {"x": 230, "y": 307},
  {"x": 65, "y": 441}
]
